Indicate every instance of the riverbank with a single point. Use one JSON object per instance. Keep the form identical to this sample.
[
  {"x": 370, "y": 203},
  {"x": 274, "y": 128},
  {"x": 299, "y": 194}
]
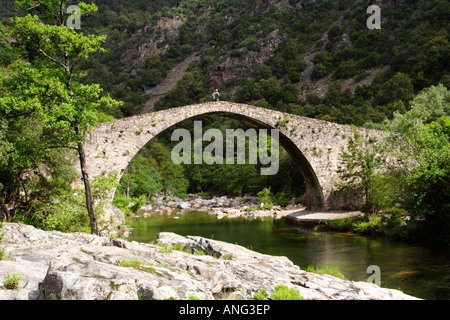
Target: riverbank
[
  {"x": 54, "y": 265},
  {"x": 248, "y": 206}
]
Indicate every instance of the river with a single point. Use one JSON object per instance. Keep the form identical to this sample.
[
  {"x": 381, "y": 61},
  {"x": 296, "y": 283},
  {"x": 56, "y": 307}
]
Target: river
[{"x": 418, "y": 270}]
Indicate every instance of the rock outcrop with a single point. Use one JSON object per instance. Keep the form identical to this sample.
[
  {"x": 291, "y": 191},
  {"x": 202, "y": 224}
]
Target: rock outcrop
[{"x": 54, "y": 265}]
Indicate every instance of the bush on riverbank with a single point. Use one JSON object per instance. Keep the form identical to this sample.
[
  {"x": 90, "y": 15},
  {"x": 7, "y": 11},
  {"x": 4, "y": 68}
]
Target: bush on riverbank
[
  {"x": 392, "y": 223},
  {"x": 265, "y": 197},
  {"x": 129, "y": 205}
]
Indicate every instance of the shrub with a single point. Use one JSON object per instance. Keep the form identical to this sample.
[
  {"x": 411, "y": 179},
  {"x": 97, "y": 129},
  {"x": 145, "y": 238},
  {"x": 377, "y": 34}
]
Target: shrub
[
  {"x": 282, "y": 199},
  {"x": 128, "y": 204},
  {"x": 370, "y": 226},
  {"x": 265, "y": 197},
  {"x": 12, "y": 281},
  {"x": 283, "y": 292},
  {"x": 394, "y": 216},
  {"x": 394, "y": 223},
  {"x": 338, "y": 224},
  {"x": 67, "y": 213},
  {"x": 261, "y": 294}
]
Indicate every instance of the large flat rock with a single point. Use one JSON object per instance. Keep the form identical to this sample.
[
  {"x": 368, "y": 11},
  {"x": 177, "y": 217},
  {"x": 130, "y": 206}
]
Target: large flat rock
[{"x": 308, "y": 217}]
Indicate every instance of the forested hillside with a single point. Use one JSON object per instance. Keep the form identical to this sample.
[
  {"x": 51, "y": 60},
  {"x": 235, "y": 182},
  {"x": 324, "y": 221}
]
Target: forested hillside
[
  {"x": 313, "y": 58},
  {"x": 303, "y": 57}
]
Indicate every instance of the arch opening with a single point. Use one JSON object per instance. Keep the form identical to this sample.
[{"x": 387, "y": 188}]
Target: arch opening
[{"x": 314, "y": 198}]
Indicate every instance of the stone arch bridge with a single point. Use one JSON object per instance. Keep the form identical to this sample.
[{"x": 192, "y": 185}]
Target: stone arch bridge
[{"x": 314, "y": 145}]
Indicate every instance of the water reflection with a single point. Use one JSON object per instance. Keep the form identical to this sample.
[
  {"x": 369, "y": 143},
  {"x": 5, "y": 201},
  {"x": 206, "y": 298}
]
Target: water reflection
[{"x": 417, "y": 270}]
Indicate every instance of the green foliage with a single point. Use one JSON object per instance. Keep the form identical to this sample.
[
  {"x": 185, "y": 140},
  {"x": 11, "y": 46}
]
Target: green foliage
[
  {"x": 282, "y": 198},
  {"x": 371, "y": 225},
  {"x": 361, "y": 161},
  {"x": 44, "y": 104},
  {"x": 283, "y": 292},
  {"x": 428, "y": 187},
  {"x": 7, "y": 52},
  {"x": 129, "y": 204},
  {"x": 188, "y": 90},
  {"x": 152, "y": 172},
  {"x": 387, "y": 189},
  {"x": 184, "y": 248},
  {"x": 67, "y": 215},
  {"x": 130, "y": 262},
  {"x": 51, "y": 90},
  {"x": 265, "y": 197},
  {"x": 231, "y": 179},
  {"x": 11, "y": 281},
  {"x": 342, "y": 225},
  {"x": 261, "y": 294},
  {"x": 428, "y": 106},
  {"x": 415, "y": 45},
  {"x": 399, "y": 87},
  {"x": 66, "y": 210},
  {"x": 392, "y": 222},
  {"x": 328, "y": 269},
  {"x": 423, "y": 151},
  {"x": 417, "y": 183}
]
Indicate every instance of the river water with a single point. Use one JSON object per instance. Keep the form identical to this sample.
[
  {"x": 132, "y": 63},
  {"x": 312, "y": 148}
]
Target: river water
[{"x": 418, "y": 270}]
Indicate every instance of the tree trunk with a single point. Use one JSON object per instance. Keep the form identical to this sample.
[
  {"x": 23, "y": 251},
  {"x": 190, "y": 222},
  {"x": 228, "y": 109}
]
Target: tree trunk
[{"x": 88, "y": 191}]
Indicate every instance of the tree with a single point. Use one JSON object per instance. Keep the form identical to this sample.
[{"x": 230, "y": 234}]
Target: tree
[
  {"x": 361, "y": 162},
  {"x": 423, "y": 152},
  {"x": 141, "y": 178},
  {"x": 7, "y": 52},
  {"x": 49, "y": 87},
  {"x": 428, "y": 183},
  {"x": 399, "y": 87}
]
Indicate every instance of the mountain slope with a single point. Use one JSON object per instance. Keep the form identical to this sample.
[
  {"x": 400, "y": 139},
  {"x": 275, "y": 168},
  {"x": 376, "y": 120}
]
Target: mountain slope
[{"x": 312, "y": 57}]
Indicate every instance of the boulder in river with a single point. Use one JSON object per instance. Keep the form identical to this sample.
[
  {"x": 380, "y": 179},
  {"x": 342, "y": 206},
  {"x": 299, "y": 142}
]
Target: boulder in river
[{"x": 184, "y": 205}]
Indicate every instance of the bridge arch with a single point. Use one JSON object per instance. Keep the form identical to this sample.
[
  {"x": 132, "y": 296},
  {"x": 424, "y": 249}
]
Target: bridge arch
[{"x": 313, "y": 145}]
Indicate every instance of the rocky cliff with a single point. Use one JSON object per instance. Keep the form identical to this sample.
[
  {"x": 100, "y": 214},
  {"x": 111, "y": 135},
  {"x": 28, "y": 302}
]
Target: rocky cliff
[{"x": 53, "y": 265}]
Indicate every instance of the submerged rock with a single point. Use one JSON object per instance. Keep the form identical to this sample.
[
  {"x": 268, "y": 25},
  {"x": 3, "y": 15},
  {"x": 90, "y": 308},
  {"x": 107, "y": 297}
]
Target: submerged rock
[{"x": 54, "y": 265}]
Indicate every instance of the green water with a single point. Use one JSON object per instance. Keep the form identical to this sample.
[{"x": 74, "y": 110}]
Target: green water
[{"x": 417, "y": 270}]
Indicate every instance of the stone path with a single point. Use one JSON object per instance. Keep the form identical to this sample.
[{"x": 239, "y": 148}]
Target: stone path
[{"x": 308, "y": 218}]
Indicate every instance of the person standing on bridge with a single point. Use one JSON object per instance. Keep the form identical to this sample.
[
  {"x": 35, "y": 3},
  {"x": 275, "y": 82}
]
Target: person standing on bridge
[{"x": 216, "y": 95}]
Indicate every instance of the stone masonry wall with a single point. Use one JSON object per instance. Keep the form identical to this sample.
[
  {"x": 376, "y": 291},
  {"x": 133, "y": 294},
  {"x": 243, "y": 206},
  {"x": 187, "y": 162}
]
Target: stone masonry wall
[{"x": 314, "y": 145}]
